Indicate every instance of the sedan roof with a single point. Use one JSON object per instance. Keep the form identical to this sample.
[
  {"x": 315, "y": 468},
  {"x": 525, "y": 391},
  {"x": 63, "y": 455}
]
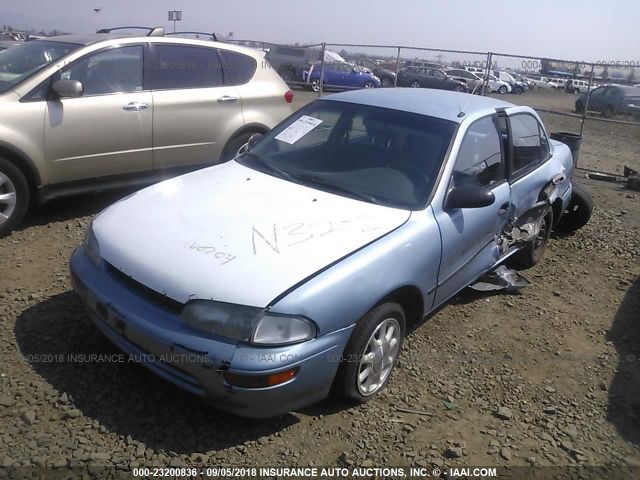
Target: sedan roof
[{"x": 424, "y": 101}]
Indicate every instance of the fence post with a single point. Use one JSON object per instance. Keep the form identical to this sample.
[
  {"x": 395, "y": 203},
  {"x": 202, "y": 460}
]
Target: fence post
[
  {"x": 486, "y": 88},
  {"x": 586, "y": 102},
  {"x": 322, "y": 53},
  {"x": 395, "y": 79}
]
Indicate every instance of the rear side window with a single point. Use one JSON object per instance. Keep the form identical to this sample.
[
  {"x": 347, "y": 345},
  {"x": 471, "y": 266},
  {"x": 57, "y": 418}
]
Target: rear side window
[
  {"x": 530, "y": 144},
  {"x": 238, "y": 68},
  {"x": 479, "y": 161},
  {"x": 177, "y": 66}
]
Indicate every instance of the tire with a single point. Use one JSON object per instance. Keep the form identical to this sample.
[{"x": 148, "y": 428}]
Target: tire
[
  {"x": 578, "y": 211},
  {"x": 386, "y": 82},
  {"x": 502, "y": 89},
  {"x": 14, "y": 196},
  {"x": 236, "y": 146},
  {"x": 415, "y": 84},
  {"x": 459, "y": 88},
  {"x": 315, "y": 85},
  {"x": 608, "y": 112},
  {"x": 369, "y": 85},
  {"x": 533, "y": 252},
  {"x": 358, "y": 355}
]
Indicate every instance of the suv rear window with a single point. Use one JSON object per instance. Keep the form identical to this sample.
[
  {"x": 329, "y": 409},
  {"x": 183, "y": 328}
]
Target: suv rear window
[
  {"x": 178, "y": 66},
  {"x": 238, "y": 68}
]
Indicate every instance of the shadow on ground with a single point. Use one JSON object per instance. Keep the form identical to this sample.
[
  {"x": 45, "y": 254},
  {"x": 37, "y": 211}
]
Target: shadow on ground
[
  {"x": 624, "y": 392},
  {"x": 68, "y": 208},
  {"x": 125, "y": 397}
]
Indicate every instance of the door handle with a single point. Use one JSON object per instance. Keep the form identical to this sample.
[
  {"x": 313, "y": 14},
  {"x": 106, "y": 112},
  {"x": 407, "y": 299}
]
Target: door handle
[
  {"x": 559, "y": 178},
  {"x": 227, "y": 98},
  {"x": 135, "y": 106},
  {"x": 504, "y": 208}
]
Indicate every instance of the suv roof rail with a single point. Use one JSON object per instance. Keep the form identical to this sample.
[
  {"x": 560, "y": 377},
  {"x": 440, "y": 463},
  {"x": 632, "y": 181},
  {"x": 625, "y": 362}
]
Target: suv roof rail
[
  {"x": 151, "y": 31},
  {"x": 213, "y": 36}
]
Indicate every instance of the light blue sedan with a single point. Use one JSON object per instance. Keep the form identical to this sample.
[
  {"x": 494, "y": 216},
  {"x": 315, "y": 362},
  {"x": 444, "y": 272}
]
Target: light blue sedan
[{"x": 267, "y": 282}]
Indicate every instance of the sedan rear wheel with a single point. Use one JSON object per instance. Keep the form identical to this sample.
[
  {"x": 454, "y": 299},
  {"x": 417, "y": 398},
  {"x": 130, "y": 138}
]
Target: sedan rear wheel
[
  {"x": 415, "y": 84},
  {"x": 533, "y": 252},
  {"x": 14, "y": 196},
  {"x": 371, "y": 354}
]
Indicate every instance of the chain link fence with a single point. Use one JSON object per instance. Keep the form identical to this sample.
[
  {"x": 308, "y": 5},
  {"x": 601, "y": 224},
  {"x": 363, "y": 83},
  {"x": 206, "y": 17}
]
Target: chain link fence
[{"x": 597, "y": 101}]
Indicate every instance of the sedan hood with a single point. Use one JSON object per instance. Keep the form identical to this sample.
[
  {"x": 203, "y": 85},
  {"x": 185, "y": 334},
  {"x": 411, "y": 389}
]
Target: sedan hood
[{"x": 233, "y": 234}]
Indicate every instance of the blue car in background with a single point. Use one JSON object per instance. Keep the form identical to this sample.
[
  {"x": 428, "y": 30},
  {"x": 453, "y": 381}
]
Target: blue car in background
[
  {"x": 263, "y": 283},
  {"x": 341, "y": 76}
]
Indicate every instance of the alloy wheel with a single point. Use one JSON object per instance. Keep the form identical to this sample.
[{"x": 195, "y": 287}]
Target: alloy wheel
[
  {"x": 7, "y": 198},
  {"x": 379, "y": 357}
]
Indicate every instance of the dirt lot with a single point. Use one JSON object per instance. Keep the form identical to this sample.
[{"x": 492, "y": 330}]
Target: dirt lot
[{"x": 559, "y": 361}]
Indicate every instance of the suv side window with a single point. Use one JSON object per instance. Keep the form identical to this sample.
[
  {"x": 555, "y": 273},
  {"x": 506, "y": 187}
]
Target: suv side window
[
  {"x": 530, "y": 144},
  {"x": 180, "y": 67},
  {"x": 238, "y": 68},
  {"x": 479, "y": 160},
  {"x": 116, "y": 70}
]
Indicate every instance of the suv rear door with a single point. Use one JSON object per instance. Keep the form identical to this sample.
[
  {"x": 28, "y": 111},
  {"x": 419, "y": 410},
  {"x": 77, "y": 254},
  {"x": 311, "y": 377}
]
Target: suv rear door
[
  {"x": 107, "y": 130},
  {"x": 194, "y": 111}
]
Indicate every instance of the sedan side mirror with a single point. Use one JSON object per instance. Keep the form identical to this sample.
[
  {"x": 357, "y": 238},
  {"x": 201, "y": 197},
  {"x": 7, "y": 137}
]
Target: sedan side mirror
[
  {"x": 253, "y": 140},
  {"x": 67, "y": 88},
  {"x": 469, "y": 196}
]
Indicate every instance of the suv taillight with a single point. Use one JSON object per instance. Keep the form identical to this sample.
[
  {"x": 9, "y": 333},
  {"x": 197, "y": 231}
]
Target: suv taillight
[{"x": 288, "y": 96}]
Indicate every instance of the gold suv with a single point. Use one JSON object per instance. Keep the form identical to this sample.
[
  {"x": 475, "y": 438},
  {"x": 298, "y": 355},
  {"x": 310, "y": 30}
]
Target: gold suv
[{"x": 89, "y": 112}]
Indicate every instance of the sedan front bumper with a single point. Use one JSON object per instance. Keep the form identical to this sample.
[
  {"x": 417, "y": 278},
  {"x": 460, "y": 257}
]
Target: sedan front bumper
[{"x": 156, "y": 337}]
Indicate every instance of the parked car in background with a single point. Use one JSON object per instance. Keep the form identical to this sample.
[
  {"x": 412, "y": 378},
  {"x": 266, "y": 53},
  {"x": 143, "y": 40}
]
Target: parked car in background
[
  {"x": 292, "y": 62},
  {"x": 386, "y": 76},
  {"x": 516, "y": 85},
  {"x": 82, "y": 113},
  {"x": 611, "y": 100},
  {"x": 530, "y": 84},
  {"x": 424, "y": 64},
  {"x": 557, "y": 83},
  {"x": 321, "y": 246},
  {"x": 499, "y": 86},
  {"x": 539, "y": 81},
  {"x": 421, "y": 77},
  {"x": 474, "y": 82},
  {"x": 340, "y": 76},
  {"x": 574, "y": 85}
]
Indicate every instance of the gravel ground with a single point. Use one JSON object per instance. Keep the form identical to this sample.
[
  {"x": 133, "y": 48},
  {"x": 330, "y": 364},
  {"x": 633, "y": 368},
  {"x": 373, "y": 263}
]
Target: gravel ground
[{"x": 545, "y": 376}]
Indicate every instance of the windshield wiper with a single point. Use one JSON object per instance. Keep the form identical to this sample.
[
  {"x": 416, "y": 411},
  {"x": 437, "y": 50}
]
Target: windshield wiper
[
  {"x": 272, "y": 168},
  {"x": 315, "y": 179}
]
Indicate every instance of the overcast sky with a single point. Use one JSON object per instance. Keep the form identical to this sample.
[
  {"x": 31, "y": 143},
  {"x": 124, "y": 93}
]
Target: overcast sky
[{"x": 589, "y": 30}]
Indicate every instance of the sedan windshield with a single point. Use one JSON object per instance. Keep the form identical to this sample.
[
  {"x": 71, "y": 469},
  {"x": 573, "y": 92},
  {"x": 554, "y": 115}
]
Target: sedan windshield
[
  {"x": 20, "y": 62},
  {"x": 378, "y": 155}
]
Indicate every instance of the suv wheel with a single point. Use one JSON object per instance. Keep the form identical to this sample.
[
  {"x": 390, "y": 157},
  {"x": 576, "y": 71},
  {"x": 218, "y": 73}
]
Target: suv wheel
[
  {"x": 502, "y": 90},
  {"x": 236, "y": 146},
  {"x": 371, "y": 354},
  {"x": 14, "y": 196},
  {"x": 315, "y": 85}
]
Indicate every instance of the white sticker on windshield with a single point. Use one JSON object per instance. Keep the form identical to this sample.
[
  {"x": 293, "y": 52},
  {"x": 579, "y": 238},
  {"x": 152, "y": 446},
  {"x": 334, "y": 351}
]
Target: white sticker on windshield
[{"x": 298, "y": 129}]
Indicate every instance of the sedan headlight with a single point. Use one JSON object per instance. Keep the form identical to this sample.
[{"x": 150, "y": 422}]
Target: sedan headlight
[
  {"x": 92, "y": 247},
  {"x": 247, "y": 324}
]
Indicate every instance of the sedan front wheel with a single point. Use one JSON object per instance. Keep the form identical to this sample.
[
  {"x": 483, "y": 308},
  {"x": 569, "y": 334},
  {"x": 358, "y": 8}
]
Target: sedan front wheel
[{"x": 371, "y": 354}]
